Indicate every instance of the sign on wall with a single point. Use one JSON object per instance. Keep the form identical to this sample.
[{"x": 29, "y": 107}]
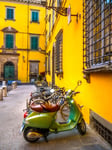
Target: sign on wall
[{"x": 69, "y": 14}]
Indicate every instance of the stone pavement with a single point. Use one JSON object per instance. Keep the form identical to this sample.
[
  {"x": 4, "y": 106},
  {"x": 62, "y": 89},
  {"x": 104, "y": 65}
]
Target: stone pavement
[{"x": 11, "y": 116}]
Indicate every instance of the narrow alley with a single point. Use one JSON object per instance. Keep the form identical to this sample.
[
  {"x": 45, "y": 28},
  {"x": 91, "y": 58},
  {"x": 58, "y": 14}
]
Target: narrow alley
[{"x": 11, "y": 110}]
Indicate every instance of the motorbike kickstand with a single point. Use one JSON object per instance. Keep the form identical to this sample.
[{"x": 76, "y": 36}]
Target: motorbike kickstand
[{"x": 45, "y": 137}]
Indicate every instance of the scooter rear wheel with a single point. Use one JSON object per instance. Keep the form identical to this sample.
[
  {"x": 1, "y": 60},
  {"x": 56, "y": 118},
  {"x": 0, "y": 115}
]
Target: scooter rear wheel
[
  {"x": 81, "y": 127},
  {"x": 28, "y": 137}
]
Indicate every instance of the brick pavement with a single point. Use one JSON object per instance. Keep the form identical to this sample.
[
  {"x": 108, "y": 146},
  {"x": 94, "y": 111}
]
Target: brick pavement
[{"x": 11, "y": 116}]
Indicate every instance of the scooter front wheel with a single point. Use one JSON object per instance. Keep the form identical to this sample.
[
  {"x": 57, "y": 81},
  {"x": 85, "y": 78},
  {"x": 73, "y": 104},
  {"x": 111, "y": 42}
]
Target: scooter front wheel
[
  {"x": 31, "y": 135},
  {"x": 81, "y": 127}
]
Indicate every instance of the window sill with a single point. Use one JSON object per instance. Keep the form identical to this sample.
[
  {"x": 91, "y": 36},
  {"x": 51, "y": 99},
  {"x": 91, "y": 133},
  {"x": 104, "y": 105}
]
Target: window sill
[
  {"x": 100, "y": 68},
  {"x": 37, "y": 22},
  {"x": 34, "y": 49},
  {"x": 96, "y": 69},
  {"x": 59, "y": 74},
  {"x": 9, "y": 19}
]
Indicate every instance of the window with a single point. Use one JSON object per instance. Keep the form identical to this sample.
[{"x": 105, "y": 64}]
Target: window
[
  {"x": 53, "y": 14},
  {"x": 9, "y": 41},
  {"x": 59, "y": 48},
  {"x": 97, "y": 33},
  {"x": 49, "y": 25},
  {"x": 34, "y": 42},
  {"x": 34, "y": 70},
  {"x": 9, "y": 13},
  {"x": 34, "y": 16},
  {"x": 49, "y": 62},
  {"x": 45, "y": 64},
  {"x": 59, "y": 3},
  {"x": 34, "y": 67}
]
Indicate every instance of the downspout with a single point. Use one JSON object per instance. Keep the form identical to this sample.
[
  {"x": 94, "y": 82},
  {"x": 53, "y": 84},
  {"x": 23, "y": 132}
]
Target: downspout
[{"x": 27, "y": 37}]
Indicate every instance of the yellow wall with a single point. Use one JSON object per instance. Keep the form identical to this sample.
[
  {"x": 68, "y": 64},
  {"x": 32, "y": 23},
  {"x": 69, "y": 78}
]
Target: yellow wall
[
  {"x": 22, "y": 38},
  {"x": 95, "y": 95}
]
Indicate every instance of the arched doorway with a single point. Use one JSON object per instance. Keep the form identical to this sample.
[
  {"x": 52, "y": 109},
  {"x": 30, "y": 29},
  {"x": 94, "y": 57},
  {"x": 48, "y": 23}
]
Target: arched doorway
[{"x": 9, "y": 71}]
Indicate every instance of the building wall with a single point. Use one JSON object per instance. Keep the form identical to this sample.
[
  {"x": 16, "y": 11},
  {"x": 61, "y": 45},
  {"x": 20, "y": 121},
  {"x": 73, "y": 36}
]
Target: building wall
[
  {"x": 25, "y": 28},
  {"x": 96, "y": 95}
]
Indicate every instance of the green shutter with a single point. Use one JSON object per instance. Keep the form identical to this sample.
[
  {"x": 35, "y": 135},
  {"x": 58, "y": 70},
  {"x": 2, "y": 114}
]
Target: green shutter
[
  {"x": 9, "y": 41},
  {"x": 10, "y": 13},
  {"x": 34, "y": 43},
  {"x": 35, "y": 16}
]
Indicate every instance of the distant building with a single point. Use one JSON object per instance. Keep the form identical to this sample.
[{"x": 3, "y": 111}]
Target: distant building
[{"x": 22, "y": 35}]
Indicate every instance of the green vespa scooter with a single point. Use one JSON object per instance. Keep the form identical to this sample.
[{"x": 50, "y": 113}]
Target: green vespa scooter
[{"x": 41, "y": 121}]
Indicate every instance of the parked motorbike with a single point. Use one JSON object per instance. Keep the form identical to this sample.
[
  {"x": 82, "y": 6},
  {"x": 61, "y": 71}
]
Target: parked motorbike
[{"x": 41, "y": 121}]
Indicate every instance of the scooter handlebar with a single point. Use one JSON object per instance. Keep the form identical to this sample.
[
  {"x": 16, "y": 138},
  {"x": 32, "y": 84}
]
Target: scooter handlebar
[{"x": 76, "y": 93}]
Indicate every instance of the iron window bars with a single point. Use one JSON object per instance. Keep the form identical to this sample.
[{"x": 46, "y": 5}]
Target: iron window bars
[
  {"x": 59, "y": 48},
  {"x": 97, "y": 34}
]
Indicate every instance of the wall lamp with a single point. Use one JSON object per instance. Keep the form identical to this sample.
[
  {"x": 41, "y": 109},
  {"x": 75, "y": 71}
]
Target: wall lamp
[
  {"x": 23, "y": 58},
  {"x": 61, "y": 10},
  {"x": 42, "y": 51},
  {"x": 78, "y": 16}
]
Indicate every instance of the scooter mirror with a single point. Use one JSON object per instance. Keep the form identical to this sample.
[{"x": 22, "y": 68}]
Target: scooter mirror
[{"x": 79, "y": 82}]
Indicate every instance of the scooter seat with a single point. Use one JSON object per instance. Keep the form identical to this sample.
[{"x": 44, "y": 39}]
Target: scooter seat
[
  {"x": 50, "y": 107},
  {"x": 37, "y": 108}
]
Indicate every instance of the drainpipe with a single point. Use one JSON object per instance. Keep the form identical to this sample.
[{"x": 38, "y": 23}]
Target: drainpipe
[{"x": 27, "y": 37}]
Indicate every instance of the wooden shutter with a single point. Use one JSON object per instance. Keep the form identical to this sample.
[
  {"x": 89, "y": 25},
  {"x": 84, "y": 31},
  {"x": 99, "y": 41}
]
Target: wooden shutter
[
  {"x": 34, "y": 43},
  {"x": 9, "y": 41},
  {"x": 10, "y": 13},
  {"x": 35, "y": 16}
]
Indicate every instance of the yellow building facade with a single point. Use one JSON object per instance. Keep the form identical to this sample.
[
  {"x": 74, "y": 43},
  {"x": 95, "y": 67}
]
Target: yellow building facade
[
  {"x": 22, "y": 36},
  {"x": 76, "y": 40}
]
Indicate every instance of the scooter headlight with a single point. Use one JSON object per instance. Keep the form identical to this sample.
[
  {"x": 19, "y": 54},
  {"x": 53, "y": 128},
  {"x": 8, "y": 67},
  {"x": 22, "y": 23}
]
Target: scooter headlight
[{"x": 26, "y": 122}]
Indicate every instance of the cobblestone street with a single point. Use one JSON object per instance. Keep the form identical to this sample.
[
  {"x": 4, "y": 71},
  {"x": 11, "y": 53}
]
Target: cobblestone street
[{"x": 11, "y": 116}]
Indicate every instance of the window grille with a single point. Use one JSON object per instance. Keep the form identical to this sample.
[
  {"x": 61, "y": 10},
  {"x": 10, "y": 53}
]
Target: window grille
[
  {"x": 49, "y": 62},
  {"x": 45, "y": 64},
  {"x": 34, "y": 67},
  {"x": 97, "y": 33},
  {"x": 49, "y": 25},
  {"x": 59, "y": 48},
  {"x": 59, "y": 2}
]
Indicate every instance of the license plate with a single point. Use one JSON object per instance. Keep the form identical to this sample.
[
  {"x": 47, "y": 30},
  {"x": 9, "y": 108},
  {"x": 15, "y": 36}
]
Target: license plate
[{"x": 22, "y": 127}]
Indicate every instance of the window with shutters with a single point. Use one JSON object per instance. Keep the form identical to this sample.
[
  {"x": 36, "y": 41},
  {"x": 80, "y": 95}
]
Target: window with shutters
[
  {"x": 34, "y": 16},
  {"x": 10, "y": 13},
  {"x": 9, "y": 41},
  {"x": 59, "y": 51},
  {"x": 97, "y": 35},
  {"x": 34, "y": 42}
]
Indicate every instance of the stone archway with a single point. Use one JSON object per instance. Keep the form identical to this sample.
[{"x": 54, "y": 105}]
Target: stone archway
[
  {"x": 4, "y": 60},
  {"x": 9, "y": 71}
]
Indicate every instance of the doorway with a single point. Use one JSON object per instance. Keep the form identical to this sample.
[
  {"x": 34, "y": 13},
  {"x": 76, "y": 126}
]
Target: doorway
[{"x": 9, "y": 71}]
